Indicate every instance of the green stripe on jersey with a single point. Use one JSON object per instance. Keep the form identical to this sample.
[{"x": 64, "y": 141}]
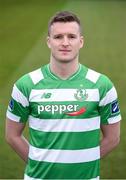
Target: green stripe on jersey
[
  {"x": 64, "y": 140},
  {"x": 46, "y": 170},
  {"x": 45, "y": 110}
]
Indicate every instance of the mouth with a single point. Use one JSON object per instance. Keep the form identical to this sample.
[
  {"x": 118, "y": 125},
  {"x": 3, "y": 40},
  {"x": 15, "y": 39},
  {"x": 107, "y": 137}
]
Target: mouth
[{"x": 65, "y": 50}]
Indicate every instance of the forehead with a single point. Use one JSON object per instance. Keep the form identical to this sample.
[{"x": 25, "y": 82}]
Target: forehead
[{"x": 64, "y": 28}]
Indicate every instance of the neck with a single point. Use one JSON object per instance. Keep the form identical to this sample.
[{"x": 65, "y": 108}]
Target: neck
[{"x": 63, "y": 69}]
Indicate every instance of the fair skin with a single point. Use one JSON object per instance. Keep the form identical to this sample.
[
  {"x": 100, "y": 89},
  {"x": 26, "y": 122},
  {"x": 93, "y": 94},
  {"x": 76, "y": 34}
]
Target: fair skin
[
  {"x": 64, "y": 42},
  {"x": 110, "y": 138},
  {"x": 15, "y": 138}
]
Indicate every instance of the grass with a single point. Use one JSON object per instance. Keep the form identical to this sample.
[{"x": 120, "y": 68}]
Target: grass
[{"x": 23, "y": 27}]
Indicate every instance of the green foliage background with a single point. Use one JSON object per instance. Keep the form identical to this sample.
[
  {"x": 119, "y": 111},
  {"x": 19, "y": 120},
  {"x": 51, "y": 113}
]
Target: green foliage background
[{"x": 23, "y": 31}]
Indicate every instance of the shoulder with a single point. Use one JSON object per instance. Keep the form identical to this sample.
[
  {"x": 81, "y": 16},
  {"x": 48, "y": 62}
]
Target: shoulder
[
  {"x": 92, "y": 75},
  {"x": 104, "y": 84},
  {"x": 36, "y": 75},
  {"x": 31, "y": 78},
  {"x": 98, "y": 78},
  {"x": 100, "y": 81},
  {"x": 27, "y": 82}
]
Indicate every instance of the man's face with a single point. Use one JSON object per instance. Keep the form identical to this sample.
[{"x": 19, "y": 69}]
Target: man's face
[{"x": 65, "y": 41}]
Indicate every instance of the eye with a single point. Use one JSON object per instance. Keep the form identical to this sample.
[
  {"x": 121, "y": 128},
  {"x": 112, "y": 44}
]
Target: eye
[
  {"x": 72, "y": 36},
  {"x": 58, "y": 37}
]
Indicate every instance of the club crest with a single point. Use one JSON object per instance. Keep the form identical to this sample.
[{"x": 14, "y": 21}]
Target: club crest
[{"x": 81, "y": 95}]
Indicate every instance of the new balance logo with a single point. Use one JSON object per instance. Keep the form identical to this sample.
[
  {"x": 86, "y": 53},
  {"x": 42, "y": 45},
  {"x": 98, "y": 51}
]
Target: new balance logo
[{"x": 46, "y": 95}]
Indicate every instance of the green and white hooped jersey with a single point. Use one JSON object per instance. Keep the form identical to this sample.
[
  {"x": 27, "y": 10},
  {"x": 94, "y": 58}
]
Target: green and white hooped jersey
[{"x": 64, "y": 119}]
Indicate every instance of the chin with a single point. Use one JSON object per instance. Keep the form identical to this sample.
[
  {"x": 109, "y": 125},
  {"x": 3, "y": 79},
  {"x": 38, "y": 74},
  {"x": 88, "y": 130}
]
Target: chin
[{"x": 65, "y": 60}]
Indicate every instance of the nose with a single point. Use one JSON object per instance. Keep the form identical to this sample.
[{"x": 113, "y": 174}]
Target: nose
[{"x": 65, "y": 41}]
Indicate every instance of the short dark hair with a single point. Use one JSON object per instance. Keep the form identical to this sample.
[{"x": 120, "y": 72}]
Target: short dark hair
[{"x": 63, "y": 16}]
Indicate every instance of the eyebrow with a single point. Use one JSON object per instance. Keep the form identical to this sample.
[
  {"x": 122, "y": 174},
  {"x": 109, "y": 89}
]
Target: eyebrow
[{"x": 60, "y": 34}]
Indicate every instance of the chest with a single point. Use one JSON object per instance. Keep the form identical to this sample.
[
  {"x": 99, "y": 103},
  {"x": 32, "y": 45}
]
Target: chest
[{"x": 64, "y": 102}]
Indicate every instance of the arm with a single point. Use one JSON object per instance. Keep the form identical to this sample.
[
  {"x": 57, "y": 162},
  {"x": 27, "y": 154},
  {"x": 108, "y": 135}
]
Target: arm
[
  {"x": 110, "y": 138},
  {"x": 15, "y": 138}
]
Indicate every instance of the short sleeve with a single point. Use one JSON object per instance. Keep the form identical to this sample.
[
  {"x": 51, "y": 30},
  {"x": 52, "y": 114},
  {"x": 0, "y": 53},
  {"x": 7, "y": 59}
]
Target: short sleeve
[
  {"x": 18, "y": 108},
  {"x": 108, "y": 106}
]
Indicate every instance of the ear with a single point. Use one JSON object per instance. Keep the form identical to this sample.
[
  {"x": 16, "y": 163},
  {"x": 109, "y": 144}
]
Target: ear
[
  {"x": 48, "y": 41},
  {"x": 81, "y": 41}
]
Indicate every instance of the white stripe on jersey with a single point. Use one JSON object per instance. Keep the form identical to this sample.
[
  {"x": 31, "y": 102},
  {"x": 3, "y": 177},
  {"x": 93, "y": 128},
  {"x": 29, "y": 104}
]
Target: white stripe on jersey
[
  {"x": 64, "y": 156},
  {"x": 114, "y": 119},
  {"x": 97, "y": 178},
  {"x": 111, "y": 96},
  {"x": 18, "y": 96},
  {"x": 26, "y": 177},
  {"x": 57, "y": 95},
  {"x": 64, "y": 125},
  {"x": 12, "y": 116},
  {"x": 92, "y": 75},
  {"x": 36, "y": 75}
]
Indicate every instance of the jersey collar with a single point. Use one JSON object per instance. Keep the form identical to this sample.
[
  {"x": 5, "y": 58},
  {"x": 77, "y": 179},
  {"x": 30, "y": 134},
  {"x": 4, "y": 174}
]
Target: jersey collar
[{"x": 54, "y": 76}]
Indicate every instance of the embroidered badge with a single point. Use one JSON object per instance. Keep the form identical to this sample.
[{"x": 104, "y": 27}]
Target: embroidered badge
[
  {"x": 11, "y": 104},
  {"x": 114, "y": 107},
  {"x": 81, "y": 95}
]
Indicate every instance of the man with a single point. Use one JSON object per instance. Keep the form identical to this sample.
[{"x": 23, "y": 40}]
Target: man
[{"x": 66, "y": 105}]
